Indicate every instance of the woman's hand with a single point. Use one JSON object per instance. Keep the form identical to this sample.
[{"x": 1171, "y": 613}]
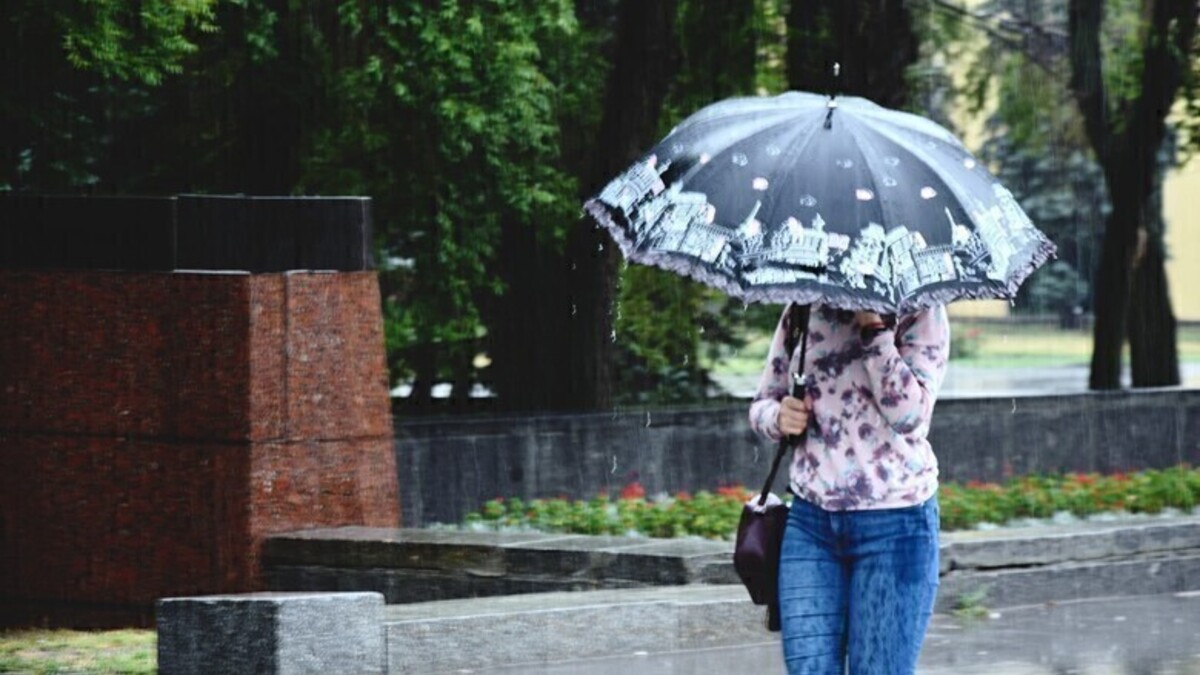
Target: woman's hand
[{"x": 794, "y": 414}]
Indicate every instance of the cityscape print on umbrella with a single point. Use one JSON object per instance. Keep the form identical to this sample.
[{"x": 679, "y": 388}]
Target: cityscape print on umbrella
[{"x": 889, "y": 263}]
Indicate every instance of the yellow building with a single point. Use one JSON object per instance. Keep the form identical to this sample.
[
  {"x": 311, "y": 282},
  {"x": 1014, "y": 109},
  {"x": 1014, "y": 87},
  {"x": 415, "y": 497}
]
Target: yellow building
[{"x": 1181, "y": 207}]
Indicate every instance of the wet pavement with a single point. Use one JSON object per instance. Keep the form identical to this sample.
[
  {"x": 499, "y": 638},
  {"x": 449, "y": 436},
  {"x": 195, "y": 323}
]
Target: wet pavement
[{"x": 1150, "y": 635}]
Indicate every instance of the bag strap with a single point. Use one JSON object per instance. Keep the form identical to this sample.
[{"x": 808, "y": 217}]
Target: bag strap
[{"x": 797, "y": 334}]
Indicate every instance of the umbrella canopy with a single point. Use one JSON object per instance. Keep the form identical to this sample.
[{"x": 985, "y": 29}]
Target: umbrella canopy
[{"x": 803, "y": 198}]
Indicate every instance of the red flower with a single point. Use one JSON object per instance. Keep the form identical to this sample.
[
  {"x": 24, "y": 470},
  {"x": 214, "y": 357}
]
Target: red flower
[
  {"x": 735, "y": 491},
  {"x": 633, "y": 491},
  {"x": 683, "y": 496}
]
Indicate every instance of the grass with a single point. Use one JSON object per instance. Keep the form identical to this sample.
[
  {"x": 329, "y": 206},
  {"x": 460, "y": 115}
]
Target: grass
[
  {"x": 997, "y": 346},
  {"x": 46, "y": 652}
]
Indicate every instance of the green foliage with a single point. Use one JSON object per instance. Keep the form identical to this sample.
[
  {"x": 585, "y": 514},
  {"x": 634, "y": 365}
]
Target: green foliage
[
  {"x": 714, "y": 515},
  {"x": 1082, "y": 495},
  {"x": 705, "y": 514},
  {"x": 77, "y": 70},
  {"x": 965, "y": 341},
  {"x": 141, "y": 42},
  {"x": 970, "y": 606},
  {"x": 1056, "y": 289},
  {"x": 452, "y": 123}
]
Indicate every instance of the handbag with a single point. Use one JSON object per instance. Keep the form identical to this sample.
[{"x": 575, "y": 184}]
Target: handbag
[{"x": 760, "y": 530}]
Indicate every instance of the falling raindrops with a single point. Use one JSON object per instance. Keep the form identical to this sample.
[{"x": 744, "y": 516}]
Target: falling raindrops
[
  {"x": 702, "y": 330},
  {"x": 574, "y": 309},
  {"x": 808, "y": 200},
  {"x": 572, "y": 266},
  {"x": 740, "y": 159},
  {"x": 928, "y": 192},
  {"x": 614, "y": 466},
  {"x": 685, "y": 359},
  {"x": 774, "y": 150},
  {"x": 1014, "y": 408},
  {"x": 756, "y": 454},
  {"x": 864, "y": 195},
  {"x": 600, "y": 247},
  {"x": 647, "y": 419},
  {"x": 761, "y": 184},
  {"x": 613, "y": 335}
]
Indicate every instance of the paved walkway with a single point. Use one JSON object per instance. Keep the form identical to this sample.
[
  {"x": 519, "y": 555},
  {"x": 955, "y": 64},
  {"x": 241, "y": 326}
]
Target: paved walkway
[{"x": 1150, "y": 635}]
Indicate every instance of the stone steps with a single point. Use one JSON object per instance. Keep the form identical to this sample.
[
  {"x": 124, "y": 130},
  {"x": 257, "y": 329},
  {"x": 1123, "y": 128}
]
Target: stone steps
[
  {"x": 476, "y": 634},
  {"x": 1010, "y": 567}
]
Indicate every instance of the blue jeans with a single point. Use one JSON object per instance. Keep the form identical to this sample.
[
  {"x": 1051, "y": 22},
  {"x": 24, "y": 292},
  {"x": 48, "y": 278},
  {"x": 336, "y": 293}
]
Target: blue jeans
[{"x": 857, "y": 587}]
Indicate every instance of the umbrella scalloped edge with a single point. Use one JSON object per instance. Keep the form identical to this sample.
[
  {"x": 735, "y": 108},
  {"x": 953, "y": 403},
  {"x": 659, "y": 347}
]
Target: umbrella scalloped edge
[{"x": 1024, "y": 264}]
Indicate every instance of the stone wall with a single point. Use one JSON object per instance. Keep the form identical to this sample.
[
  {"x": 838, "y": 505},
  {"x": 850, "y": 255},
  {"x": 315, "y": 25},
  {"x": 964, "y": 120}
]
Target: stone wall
[
  {"x": 156, "y": 424},
  {"x": 453, "y": 468}
]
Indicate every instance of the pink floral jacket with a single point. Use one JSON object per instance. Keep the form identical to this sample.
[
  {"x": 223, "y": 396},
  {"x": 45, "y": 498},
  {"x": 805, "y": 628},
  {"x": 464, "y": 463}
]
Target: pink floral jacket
[{"x": 866, "y": 446}]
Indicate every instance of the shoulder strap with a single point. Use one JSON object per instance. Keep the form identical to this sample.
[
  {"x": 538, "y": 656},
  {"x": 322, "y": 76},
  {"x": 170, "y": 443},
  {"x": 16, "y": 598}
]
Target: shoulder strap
[{"x": 797, "y": 334}]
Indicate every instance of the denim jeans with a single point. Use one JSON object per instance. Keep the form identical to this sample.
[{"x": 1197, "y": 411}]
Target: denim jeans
[{"x": 857, "y": 588}]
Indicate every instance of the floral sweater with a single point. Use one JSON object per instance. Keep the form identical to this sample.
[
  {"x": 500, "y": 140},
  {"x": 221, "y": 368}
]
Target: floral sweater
[{"x": 866, "y": 445}]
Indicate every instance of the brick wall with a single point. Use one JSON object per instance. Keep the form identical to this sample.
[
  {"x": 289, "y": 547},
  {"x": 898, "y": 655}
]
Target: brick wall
[{"x": 155, "y": 426}]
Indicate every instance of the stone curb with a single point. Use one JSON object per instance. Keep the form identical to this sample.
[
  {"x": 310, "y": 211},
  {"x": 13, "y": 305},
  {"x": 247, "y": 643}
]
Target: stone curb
[
  {"x": 458, "y": 635},
  {"x": 422, "y": 565}
]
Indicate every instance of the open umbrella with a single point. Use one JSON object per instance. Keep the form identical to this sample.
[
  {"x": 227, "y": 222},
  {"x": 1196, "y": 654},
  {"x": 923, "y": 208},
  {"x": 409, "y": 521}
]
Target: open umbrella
[{"x": 812, "y": 199}]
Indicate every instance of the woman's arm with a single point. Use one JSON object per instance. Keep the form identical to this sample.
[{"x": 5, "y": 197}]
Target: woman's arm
[
  {"x": 906, "y": 368},
  {"x": 772, "y": 386}
]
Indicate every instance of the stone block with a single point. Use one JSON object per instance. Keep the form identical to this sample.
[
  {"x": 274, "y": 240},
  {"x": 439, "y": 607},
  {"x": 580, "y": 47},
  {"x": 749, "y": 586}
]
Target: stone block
[
  {"x": 1142, "y": 575},
  {"x": 272, "y": 634}
]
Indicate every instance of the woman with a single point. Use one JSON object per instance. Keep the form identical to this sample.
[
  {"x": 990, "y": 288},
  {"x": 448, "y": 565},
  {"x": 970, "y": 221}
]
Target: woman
[{"x": 859, "y": 565}]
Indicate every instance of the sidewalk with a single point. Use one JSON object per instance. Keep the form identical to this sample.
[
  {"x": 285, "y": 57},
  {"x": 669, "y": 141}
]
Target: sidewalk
[{"x": 1148, "y": 635}]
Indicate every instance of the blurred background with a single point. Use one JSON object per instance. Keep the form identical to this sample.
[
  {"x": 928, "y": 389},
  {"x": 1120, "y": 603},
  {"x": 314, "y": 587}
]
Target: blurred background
[{"x": 479, "y": 126}]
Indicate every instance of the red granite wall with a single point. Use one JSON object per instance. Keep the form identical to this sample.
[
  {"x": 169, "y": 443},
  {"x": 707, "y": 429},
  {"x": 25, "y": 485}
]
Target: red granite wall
[{"x": 155, "y": 426}]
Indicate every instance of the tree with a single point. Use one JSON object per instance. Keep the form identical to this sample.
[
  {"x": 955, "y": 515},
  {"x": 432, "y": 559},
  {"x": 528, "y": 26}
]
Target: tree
[
  {"x": 824, "y": 32},
  {"x": 663, "y": 319},
  {"x": 74, "y": 72},
  {"x": 1124, "y": 108}
]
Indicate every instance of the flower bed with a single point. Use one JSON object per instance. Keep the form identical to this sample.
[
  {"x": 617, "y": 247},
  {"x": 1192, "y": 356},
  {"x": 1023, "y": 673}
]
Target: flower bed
[{"x": 714, "y": 515}]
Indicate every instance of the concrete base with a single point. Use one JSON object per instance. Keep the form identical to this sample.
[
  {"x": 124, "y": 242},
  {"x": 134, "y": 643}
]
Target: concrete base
[{"x": 272, "y": 634}]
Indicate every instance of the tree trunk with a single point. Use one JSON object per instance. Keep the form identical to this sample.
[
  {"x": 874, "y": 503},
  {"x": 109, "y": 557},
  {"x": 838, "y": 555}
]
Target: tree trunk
[
  {"x": 1154, "y": 360},
  {"x": 526, "y": 325},
  {"x": 872, "y": 40},
  {"x": 1126, "y": 144},
  {"x": 1112, "y": 289},
  {"x": 645, "y": 62}
]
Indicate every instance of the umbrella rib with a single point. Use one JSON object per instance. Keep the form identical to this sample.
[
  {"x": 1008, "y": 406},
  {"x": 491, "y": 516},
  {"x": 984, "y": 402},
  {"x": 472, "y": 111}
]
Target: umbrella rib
[
  {"x": 812, "y": 130},
  {"x": 879, "y": 198},
  {"x": 742, "y": 140},
  {"x": 958, "y": 191}
]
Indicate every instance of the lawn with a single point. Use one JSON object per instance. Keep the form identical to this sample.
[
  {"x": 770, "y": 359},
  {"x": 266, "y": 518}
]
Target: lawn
[{"x": 87, "y": 653}]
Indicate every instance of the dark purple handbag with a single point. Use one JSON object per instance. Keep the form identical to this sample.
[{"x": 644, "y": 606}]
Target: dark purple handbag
[{"x": 760, "y": 531}]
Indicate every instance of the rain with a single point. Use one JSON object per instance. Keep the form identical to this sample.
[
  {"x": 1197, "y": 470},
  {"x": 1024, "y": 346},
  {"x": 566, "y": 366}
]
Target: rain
[{"x": 528, "y": 299}]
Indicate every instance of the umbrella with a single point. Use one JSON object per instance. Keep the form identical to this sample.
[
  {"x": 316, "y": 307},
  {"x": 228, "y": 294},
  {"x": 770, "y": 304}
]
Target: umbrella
[{"x": 813, "y": 199}]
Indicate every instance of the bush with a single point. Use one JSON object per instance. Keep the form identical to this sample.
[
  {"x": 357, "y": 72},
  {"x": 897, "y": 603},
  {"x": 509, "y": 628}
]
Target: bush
[
  {"x": 965, "y": 341},
  {"x": 714, "y": 515}
]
